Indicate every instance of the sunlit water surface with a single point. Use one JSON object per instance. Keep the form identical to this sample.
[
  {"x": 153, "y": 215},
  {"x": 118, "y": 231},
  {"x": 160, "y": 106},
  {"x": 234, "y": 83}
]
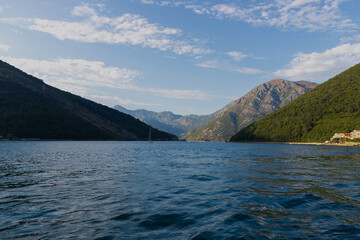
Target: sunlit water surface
[{"x": 178, "y": 190}]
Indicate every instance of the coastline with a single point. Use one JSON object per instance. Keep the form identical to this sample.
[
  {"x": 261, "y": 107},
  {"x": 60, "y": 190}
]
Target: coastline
[{"x": 348, "y": 144}]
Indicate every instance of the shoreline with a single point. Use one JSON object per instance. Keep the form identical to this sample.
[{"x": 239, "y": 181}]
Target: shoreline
[{"x": 349, "y": 144}]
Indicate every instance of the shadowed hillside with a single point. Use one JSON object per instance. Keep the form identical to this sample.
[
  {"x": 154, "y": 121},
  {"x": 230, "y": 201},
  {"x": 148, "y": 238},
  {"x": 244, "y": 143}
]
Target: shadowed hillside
[{"x": 29, "y": 108}]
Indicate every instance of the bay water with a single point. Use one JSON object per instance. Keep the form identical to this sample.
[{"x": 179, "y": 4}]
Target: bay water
[{"x": 178, "y": 190}]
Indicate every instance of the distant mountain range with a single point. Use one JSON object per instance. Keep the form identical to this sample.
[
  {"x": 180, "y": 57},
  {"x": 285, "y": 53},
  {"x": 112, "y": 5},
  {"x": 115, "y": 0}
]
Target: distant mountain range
[
  {"x": 29, "y": 108},
  {"x": 259, "y": 102},
  {"x": 167, "y": 121},
  {"x": 222, "y": 124},
  {"x": 331, "y": 107}
]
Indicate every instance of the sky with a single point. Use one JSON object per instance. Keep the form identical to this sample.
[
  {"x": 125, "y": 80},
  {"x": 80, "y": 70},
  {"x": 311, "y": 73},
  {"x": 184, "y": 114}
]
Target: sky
[{"x": 188, "y": 57}]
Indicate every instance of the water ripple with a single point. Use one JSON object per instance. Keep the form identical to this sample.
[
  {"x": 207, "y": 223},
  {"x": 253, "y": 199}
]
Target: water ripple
[{"x": 169, "y": 190}]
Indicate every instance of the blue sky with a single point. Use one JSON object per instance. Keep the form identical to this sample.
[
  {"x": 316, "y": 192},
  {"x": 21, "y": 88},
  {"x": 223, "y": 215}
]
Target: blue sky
[{"x": 184, "y": 56}]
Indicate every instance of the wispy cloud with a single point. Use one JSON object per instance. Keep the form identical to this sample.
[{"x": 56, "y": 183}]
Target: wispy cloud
[
  {"x": 173, "y": 3},
  {"x": 351, "y": 39},
  {"x": 126, "y": 29},
  {"x": 199, "y": 9},
  {"x": 310, "y": 15},
  {"x": 226, "y": 66},
  {"x": 4, "y": 47},
  {"x": 320, "y": 66},
  {"x": 247, "y": 70},
  {"x": 181, "y": 94},
  {"x": 112, "y": 100},
  {"x": 80, "y": 75},
  {"x": 237, "y": 56},
  {"x": 315, "y": 15},
  {"x": 75, "y": 71}
]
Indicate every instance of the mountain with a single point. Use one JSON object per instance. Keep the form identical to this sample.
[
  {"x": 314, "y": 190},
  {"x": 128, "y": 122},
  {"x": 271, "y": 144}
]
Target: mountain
[
  {"x": 160, "y": 120},
  {"x": 259, "y": 102},
  {"x": 331, "y": 107},
  {"x": 29, "y": 108},
  {"x": 170, "y": 122}
]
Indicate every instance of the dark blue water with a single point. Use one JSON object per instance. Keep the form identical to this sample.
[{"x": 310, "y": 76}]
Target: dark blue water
[{"x": 178, "y": 190}]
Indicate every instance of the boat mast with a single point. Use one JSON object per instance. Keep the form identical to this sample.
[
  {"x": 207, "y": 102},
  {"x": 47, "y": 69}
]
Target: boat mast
[{"x": 150, "y": 134}]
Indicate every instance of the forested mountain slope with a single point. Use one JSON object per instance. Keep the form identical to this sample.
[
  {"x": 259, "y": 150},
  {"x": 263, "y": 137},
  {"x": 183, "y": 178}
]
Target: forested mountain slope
[{"x": 333, "y": 106}]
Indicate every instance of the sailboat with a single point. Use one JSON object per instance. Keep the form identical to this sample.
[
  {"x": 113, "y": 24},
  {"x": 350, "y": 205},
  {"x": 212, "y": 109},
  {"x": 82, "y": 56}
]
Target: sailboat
[{"x": 150, "y": 141}]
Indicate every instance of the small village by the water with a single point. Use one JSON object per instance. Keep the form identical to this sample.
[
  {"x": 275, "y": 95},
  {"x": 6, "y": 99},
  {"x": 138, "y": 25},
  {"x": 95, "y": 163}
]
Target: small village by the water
[{"x": 349, "y": 139}]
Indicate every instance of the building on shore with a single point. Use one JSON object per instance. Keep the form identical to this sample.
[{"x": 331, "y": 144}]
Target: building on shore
[
  {"x": 344, "y": 136},
  {"x": 338, "y": 135},
  {"x": 355, "y": 134}
]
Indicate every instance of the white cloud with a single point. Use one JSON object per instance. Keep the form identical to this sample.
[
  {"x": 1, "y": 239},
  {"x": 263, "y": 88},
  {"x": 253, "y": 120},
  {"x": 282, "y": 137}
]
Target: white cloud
[
  {"x": 198, "y": 9},
  {"x": 173, "y": 93},
  {"x": 1, "y": 9},
  {"x": 148, "y": 2},
  {"x": 237, "y": 56},
  {"x": 311, "y": 15},
  {"x": 82, "y": 91},
  {"x": 4, "y": 47},
  {"x": 172, "y": 3},
  {"x": 225, "y": 66},
  {"x": 83, "y": 11},
  {"x": 78, "y": 76},
  {"x": 113, "y": 100},
  {"x": 15, "y": 31},
  {"x": 246, "y": 70},
  {"x": 75, "y": 71},
  {"x": 320, "y": 66},
  {"x": 351, "y": 39},
  {"x": 213, "y": 64},
  {"x": 127, "y": 29},
  {"x": 180, "y": 94},
  {"x": 298, "y": 3}
]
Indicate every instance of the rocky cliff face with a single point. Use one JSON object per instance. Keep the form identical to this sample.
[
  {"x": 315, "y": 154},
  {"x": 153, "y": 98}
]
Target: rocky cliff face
[{"x": 259, "y": 102}]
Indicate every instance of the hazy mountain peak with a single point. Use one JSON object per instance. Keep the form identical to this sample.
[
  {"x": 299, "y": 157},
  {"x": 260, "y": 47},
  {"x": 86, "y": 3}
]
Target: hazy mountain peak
[{"x": 168, "y": 121}]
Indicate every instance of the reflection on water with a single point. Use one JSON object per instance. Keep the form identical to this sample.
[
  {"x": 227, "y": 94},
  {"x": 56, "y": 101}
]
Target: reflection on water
[{"x": 178, "y": 190}]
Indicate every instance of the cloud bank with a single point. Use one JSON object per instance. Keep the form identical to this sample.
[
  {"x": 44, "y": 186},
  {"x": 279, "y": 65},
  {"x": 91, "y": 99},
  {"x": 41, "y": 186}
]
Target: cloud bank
[
  {"x": 320, "y": 66},
  {"x": 126, "y": 29},
  {"x": 4, "y": 47},
  {"x": 79, "y": 76},
  {"x": 75, "y": 71},
  {"x": 309, "y": 15}
]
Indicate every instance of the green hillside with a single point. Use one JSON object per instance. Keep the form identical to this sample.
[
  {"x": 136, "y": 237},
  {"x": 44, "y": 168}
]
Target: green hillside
[
  {"x": 333, "y": 106},
  {"x": 29, "y": 108}
]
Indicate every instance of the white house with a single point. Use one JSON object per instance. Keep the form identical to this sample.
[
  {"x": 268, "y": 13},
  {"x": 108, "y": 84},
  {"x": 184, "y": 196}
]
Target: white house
[
  {"x": 338, "y": 135},
  {"x": 355, "y": 134}
]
